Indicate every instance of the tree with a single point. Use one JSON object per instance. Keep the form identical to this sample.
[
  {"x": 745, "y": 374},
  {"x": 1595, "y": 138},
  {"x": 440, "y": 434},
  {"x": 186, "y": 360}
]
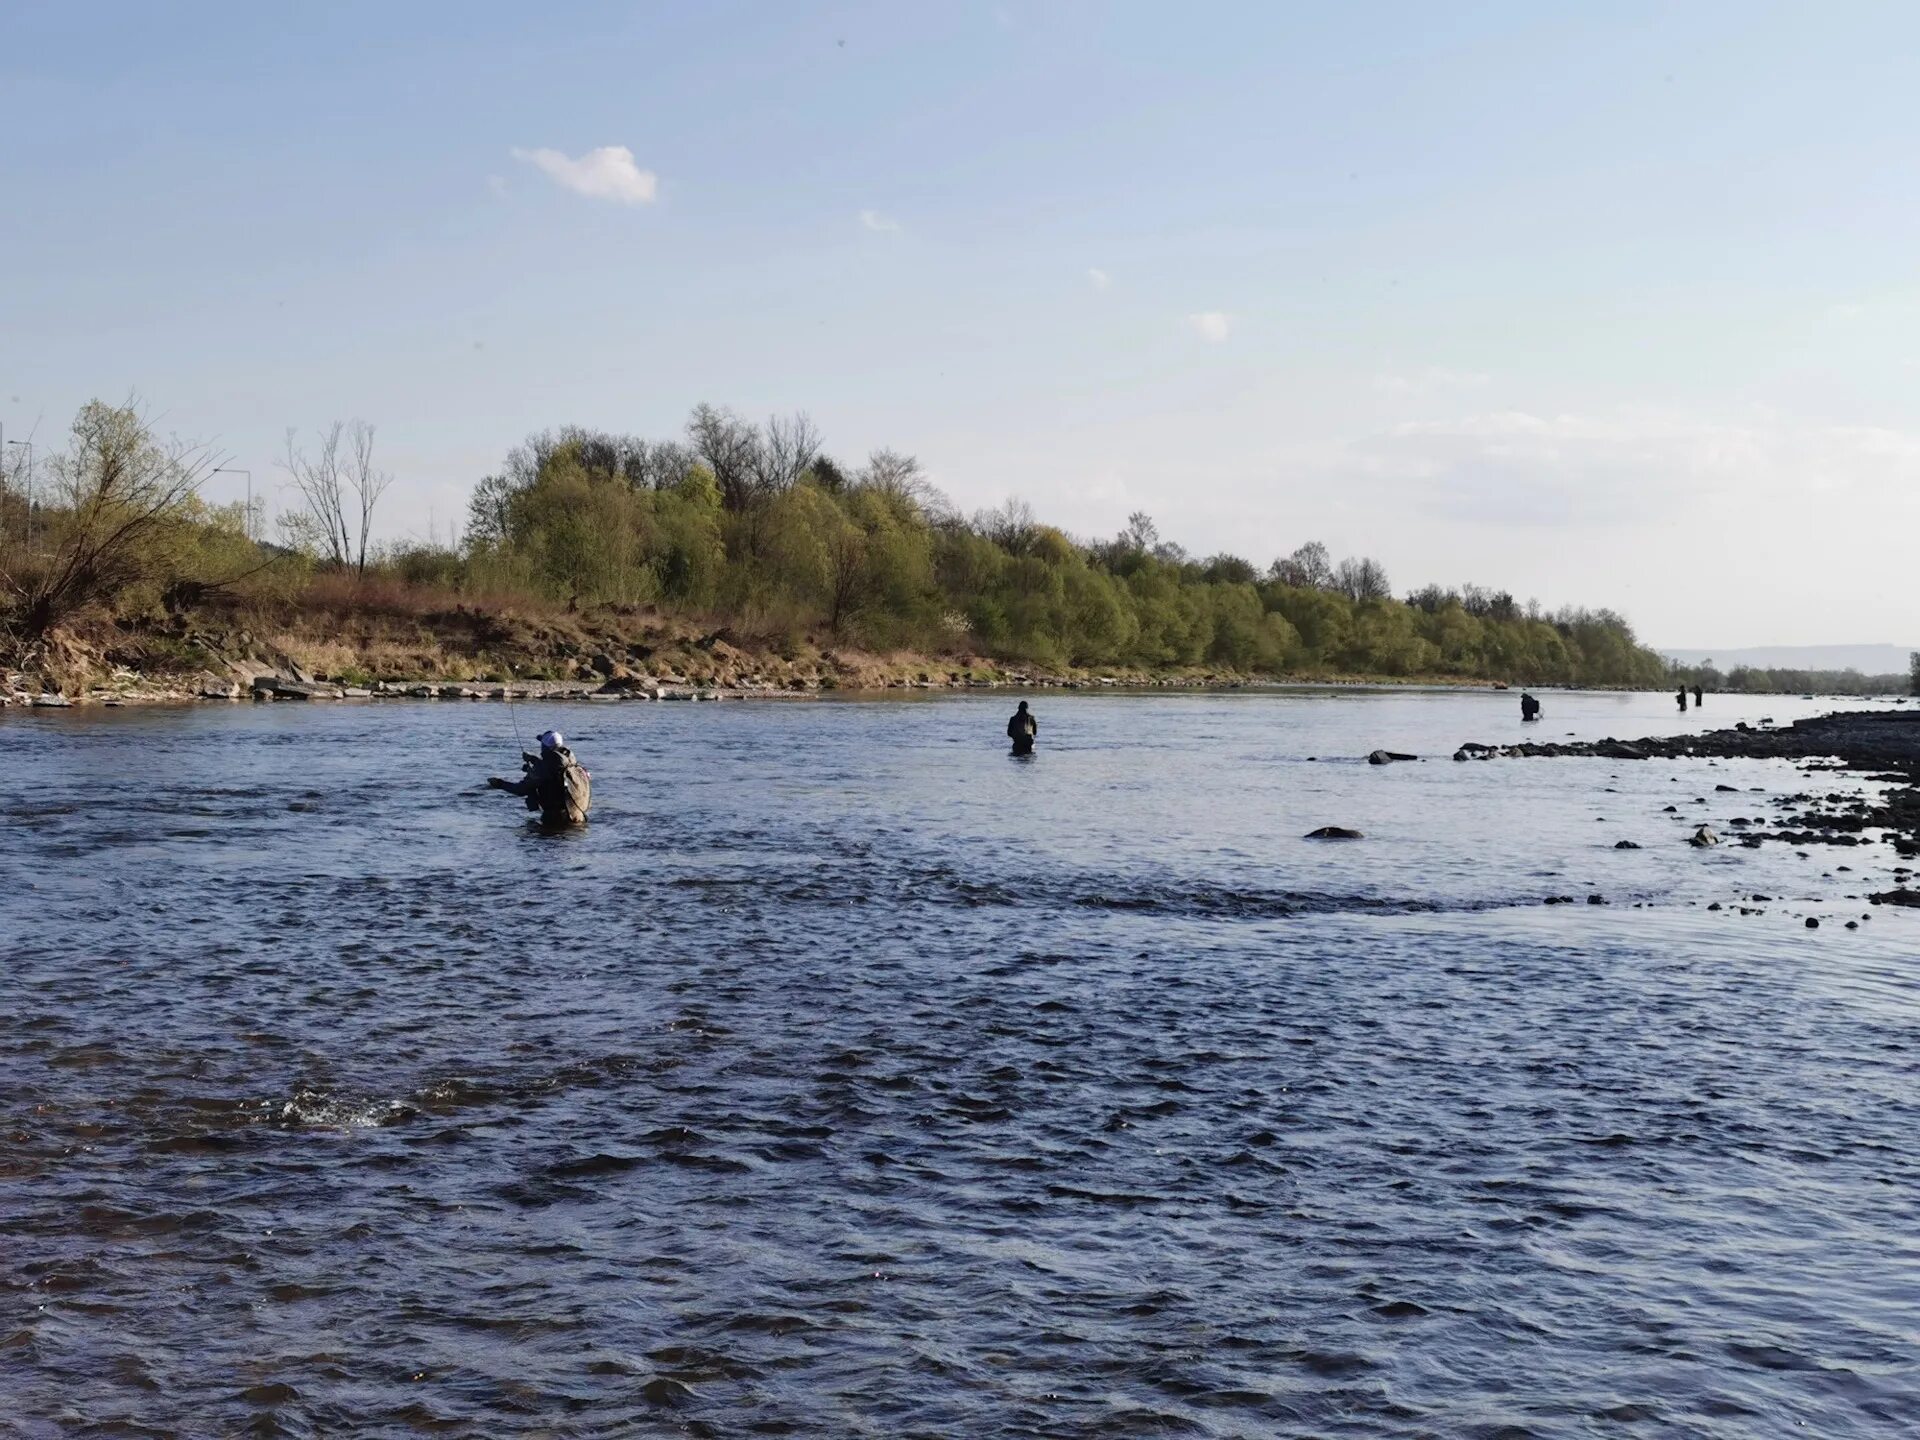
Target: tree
[
  {"x": 827, "y": 474},
  {"x": 785, "y": 452},
  {"x": 729, "y": 447},
  {"x": 1362, "y": 579},
  {"x": 488, "y": 510},
  {"x": 129, "y": 499},
  {"x": 1011, "y": 527},
  {"x": 1141, "y": 534},
  {"x": 339, "y": 487},
  {"x": 1308, "y": 568},
  {"x": 899, "y": 480}
]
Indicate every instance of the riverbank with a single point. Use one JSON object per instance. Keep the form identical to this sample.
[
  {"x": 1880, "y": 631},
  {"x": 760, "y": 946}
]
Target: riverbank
[
  {"x": 1883, "y": 744},
  {"x": 489, "y": 652}
]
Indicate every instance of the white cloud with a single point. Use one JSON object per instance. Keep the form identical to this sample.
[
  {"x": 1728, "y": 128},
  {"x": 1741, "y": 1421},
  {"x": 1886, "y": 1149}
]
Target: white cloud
[
  {"x": 607, "y": 173},
  {"x": 1212, "y": 326},
  {"x": 874, "y": 220},
  {"x": 1099, "y": 279}
]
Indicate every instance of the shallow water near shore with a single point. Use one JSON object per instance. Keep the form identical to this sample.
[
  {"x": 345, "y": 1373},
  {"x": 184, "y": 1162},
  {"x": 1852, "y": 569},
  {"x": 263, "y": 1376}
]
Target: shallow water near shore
[{"x": 847, "y": 1077}]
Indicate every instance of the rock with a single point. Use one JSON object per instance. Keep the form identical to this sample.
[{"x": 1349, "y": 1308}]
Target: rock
[
  {"x": 1461, "y": 755},
  {"x": 1901, "y": 896},
  {"x": 1671, "y": 810},
  {"x": 47, "y": 700},
  {"x": 1387, "y": 757},
  {"x": 1703, "y": 837},
  {"x": 1596, "y": 899},
  {"x": 1625, "y": 845},
  {"x": 1333, "y": 832},
  {"x": 1726, "y": 790},
  {"x": 1812, "y": 924},
  {"x": 1716, "y": 906},
  {"x": 1558, "y": 900},
  {"x": 301, "y": 690}
]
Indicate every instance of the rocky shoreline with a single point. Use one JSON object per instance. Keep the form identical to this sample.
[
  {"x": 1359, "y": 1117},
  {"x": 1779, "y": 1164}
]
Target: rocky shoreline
[
  {"x": 1882, "y": 744},
  {"x": 134, "y": 689}
]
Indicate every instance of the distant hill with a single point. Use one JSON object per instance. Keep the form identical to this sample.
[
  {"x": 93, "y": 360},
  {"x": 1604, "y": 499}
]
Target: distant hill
[{"x": 1867, "y": 659}]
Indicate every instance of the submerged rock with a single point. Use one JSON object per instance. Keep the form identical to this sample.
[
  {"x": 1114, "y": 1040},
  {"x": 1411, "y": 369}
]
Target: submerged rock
[
  {"x": 1333, "y": 832},
  {"x": 1703, "y": 837},
  {"x": 1387, "y": 757}
]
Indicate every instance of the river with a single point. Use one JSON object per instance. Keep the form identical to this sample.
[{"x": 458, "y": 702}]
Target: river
[{"x": 846, "y": 1077}]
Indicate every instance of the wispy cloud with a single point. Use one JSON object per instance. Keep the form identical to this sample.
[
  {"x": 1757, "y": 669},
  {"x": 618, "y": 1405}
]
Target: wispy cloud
[
  {"x": 1212, "y": 326},
  {"x": 1521, "y": 467},
  {"x": 608, "y": 173},
  {"x": 1099, "y": 279},
  {"x": 874, "y": 220},
  {"x": 1433, "y": 380}
]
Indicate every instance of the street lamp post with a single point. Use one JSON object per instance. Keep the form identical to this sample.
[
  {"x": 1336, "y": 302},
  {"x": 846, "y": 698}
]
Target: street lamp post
[{"x": 235, "y": 470}]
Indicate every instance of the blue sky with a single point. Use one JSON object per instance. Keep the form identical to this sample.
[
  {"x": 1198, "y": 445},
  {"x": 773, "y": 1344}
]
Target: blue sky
[{"x": 1610, "y": 304}]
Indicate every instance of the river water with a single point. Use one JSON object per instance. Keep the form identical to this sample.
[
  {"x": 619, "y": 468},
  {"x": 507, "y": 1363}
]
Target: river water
[{"x": 848, "y": 1078}]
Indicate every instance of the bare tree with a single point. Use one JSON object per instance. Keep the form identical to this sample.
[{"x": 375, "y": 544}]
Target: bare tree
[
  {"x": 729, "y": 447},
  {"x": 128, "y": 495},
  {"x": 339, "y": 488},
  {"x": 1011, "y": 527},
  {"x": 660, "y": 464},
  {"x": 1362, "y": 579},
  {"x": 1308, "y": 568},
  {"x": 367, "y": 483},
  {"x": 786, "y": 451},
  {"x": 1141, "y": 534},
  {"x": 900, "y": 481}
]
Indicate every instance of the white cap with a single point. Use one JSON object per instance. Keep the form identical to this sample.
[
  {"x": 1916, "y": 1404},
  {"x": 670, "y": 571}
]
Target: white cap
[{"x": 552, "y": 740}]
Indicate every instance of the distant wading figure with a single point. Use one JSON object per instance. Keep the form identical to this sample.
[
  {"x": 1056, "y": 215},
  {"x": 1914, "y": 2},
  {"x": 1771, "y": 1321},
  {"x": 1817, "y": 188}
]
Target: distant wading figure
[
  {"x": 1021, "y": 729},
  {"x": 1529, "y": 707},
  {"x": 555, "y": 784},
  {"x": 1696, "y": 697},
  {"x": 1681, "y": 696}
]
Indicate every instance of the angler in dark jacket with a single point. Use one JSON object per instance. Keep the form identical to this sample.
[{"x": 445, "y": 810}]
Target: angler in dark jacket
[
  {"x": 1021, "y": 729},
  {"x": 555, "y": 784}
]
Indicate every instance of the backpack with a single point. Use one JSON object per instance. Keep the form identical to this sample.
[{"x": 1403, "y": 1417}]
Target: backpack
[{"x": 568, "y": 794}]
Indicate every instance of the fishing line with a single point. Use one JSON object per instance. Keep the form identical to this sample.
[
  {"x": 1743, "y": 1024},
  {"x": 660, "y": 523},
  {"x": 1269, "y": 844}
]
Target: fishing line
[{"x": 519, "y": 735}]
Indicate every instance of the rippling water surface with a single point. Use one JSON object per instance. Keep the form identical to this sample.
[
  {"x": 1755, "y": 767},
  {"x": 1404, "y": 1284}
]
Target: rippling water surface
[{"x": 846, "y": 1078}]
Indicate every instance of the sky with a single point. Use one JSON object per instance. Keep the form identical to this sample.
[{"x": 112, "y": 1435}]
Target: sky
[{"x": 1608, "y": 305}]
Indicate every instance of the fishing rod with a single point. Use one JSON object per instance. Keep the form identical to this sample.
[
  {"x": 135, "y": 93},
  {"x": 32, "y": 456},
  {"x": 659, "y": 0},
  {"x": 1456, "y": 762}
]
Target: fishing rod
[{"x": 519, "y": 735}]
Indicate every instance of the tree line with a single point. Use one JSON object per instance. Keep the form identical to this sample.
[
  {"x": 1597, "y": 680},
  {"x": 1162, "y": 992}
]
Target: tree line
[
  {"x": 757, "y": 527},
  {"x": 1780, "y": 680}
]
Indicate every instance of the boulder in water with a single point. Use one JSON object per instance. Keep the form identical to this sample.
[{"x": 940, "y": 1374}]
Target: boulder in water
[
  {"x": 1703, "y": 837},
  {"x": 1387, "y": 757},
  {"x": 1333, "y": 832}
]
